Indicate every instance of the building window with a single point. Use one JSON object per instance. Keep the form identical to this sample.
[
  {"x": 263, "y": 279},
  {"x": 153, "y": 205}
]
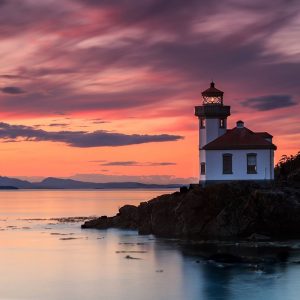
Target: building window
[
  {"x": 227, "y": 163},
  {"x": 202, "y": 168},
  {"x": 202, "y": 123},
  {"x": 251, "y": 163},
  {"x": 222, "y": 123}
]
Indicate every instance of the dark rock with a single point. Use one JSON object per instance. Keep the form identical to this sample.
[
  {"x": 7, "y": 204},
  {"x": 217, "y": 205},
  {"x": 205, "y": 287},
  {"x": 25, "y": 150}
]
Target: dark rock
[
  {"x": 183, "y": 189},
  {"x": 283, "y": 255},
  {"x": 194, "y": 186},
  {"x": 100, "y": 223},
  {"x": 258, "y": 238},
  {"x": 225, "y": 211},
  {"x": 127, "y": 218}
]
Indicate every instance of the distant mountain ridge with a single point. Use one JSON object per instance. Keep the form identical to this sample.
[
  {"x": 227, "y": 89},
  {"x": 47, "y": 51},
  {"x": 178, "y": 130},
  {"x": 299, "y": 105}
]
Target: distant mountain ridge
[{"x": 60, "y": 183}]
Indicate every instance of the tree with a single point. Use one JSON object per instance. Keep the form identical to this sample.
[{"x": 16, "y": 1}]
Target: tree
[{"x": 287, "y": 167}]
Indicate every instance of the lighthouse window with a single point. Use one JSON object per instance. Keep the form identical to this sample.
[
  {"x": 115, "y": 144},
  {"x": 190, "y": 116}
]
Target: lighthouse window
[
  {"x": 202, "y": 168},
  {"x": 251, "y": 163},
  {"x": 222, "y": 123},
  {"x": 227, "y": 163},
  {"x": 202, "y": 123}
]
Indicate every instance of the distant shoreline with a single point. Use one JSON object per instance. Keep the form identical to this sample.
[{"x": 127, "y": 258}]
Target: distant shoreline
[
  {"x": 4, "y": 188},
  {"x": 8, "y": 188},
  {"x": 8, "y": 183}
]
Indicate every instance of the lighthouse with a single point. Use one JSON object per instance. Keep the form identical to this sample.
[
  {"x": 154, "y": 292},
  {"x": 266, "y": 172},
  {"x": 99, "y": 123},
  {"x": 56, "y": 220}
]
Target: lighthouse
[{"x": 230, "y": 154}]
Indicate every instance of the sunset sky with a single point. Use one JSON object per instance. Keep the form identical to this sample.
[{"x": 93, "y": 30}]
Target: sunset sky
[{"x": 105, "y": 90}]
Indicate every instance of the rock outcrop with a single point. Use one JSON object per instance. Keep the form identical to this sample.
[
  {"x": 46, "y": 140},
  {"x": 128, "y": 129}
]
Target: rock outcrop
[{"x": 224, "y": 211}]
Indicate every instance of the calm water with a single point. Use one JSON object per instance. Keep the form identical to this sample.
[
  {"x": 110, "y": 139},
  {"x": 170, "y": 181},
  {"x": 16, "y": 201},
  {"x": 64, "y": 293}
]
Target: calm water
[{"x": 42, "y": 258}]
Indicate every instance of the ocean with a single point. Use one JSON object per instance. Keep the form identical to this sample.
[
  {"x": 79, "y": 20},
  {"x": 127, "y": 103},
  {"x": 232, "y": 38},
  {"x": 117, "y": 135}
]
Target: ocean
[{"x": 44, "y": 254}]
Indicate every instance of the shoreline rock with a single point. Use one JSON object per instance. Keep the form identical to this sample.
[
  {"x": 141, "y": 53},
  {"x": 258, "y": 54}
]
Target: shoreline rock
[{"x": 237, "y": 210}]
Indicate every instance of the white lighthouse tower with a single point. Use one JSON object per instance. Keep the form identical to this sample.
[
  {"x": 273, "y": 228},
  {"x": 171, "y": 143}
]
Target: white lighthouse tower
[
  {"x": 230, "y": 154},
  {"x": 212, "y": 122}
]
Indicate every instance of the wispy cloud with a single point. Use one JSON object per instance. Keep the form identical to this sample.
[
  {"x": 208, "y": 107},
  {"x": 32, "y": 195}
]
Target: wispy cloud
[
  {"x": 58, "y": 124},
  {"x": 99, "y": 121},
  {"x": 112, "y": 64},
  {"x": 12, "y": 90},
  {"x": 81, "y": 139},
  {"x": 133, "y": 163},
  {"x": 269, "y": 102}
]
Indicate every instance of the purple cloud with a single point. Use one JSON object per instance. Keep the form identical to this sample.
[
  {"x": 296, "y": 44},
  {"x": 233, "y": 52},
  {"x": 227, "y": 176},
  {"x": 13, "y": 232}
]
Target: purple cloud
[
  {"x": 269, "y": 102},
  {"x": 189, "y": 44},
  {"x": 58, "y": 124},
  {"x": 12, "y": 90},
  {"x": 81, "y": 139},
  {"x": 133, "y": 163}
]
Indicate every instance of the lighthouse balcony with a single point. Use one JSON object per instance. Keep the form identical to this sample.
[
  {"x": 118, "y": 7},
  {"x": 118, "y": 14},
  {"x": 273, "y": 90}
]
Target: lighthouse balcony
[{"x": 212, "y": 111}]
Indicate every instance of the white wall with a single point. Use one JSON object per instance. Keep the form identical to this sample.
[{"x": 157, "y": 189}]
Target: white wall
[
  {"x": 211, "y": 131},
  {"x": 214, "y": 165},
  {"x": 272, "y": 163}
]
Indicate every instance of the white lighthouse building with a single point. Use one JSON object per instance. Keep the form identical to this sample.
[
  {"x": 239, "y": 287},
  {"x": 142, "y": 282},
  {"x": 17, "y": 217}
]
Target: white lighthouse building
[{"x": 230, "y": 154}]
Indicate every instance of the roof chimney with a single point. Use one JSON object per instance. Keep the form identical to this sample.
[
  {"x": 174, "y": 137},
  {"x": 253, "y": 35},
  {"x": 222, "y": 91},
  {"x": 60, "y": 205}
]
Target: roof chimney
[{"x": 240, "y": 124}]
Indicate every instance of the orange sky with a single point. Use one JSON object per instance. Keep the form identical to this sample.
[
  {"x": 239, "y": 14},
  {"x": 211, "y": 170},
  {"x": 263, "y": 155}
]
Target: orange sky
[{"x": 115, "y": 70}]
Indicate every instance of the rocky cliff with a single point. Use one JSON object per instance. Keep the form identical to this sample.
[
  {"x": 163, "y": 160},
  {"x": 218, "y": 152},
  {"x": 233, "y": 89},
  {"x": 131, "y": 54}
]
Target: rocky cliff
[{"x": 224, "y": 211}]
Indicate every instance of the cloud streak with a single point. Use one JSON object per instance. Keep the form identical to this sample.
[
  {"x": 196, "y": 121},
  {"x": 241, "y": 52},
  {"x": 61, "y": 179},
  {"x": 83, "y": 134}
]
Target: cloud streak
[
  {"x": 58, "y": 124},
  {"x": 112, "y": 64},
  {"x": 269, "y": 102},
  {"x": 12, "y": 90},
  {"x": 133, "y": 163},
  {"x": 80, "y": 139}
]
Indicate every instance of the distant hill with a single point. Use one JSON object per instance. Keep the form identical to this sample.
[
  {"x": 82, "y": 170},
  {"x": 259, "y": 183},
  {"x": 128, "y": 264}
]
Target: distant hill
[
  {"x": 59, "y": 183},
  {"x": 7, "y": 187},
  {"x": 14, "y": 182}
]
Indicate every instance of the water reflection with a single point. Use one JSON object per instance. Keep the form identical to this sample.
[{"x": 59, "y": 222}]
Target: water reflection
[
  {"x": 217, "y": 282},
  {"x": 44, "y": 259}
]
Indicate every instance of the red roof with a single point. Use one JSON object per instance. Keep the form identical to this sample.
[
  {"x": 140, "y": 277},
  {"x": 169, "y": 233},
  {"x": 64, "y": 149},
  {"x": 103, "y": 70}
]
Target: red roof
[
  {"x": 264, "y": 135},
  {"x": 212, "y": 91},
  {"x": 241, "y": 138}
]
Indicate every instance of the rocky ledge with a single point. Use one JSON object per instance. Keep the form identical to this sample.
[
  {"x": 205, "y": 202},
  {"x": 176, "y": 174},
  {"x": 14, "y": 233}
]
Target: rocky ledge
[{"x": 235, "y": 211}]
